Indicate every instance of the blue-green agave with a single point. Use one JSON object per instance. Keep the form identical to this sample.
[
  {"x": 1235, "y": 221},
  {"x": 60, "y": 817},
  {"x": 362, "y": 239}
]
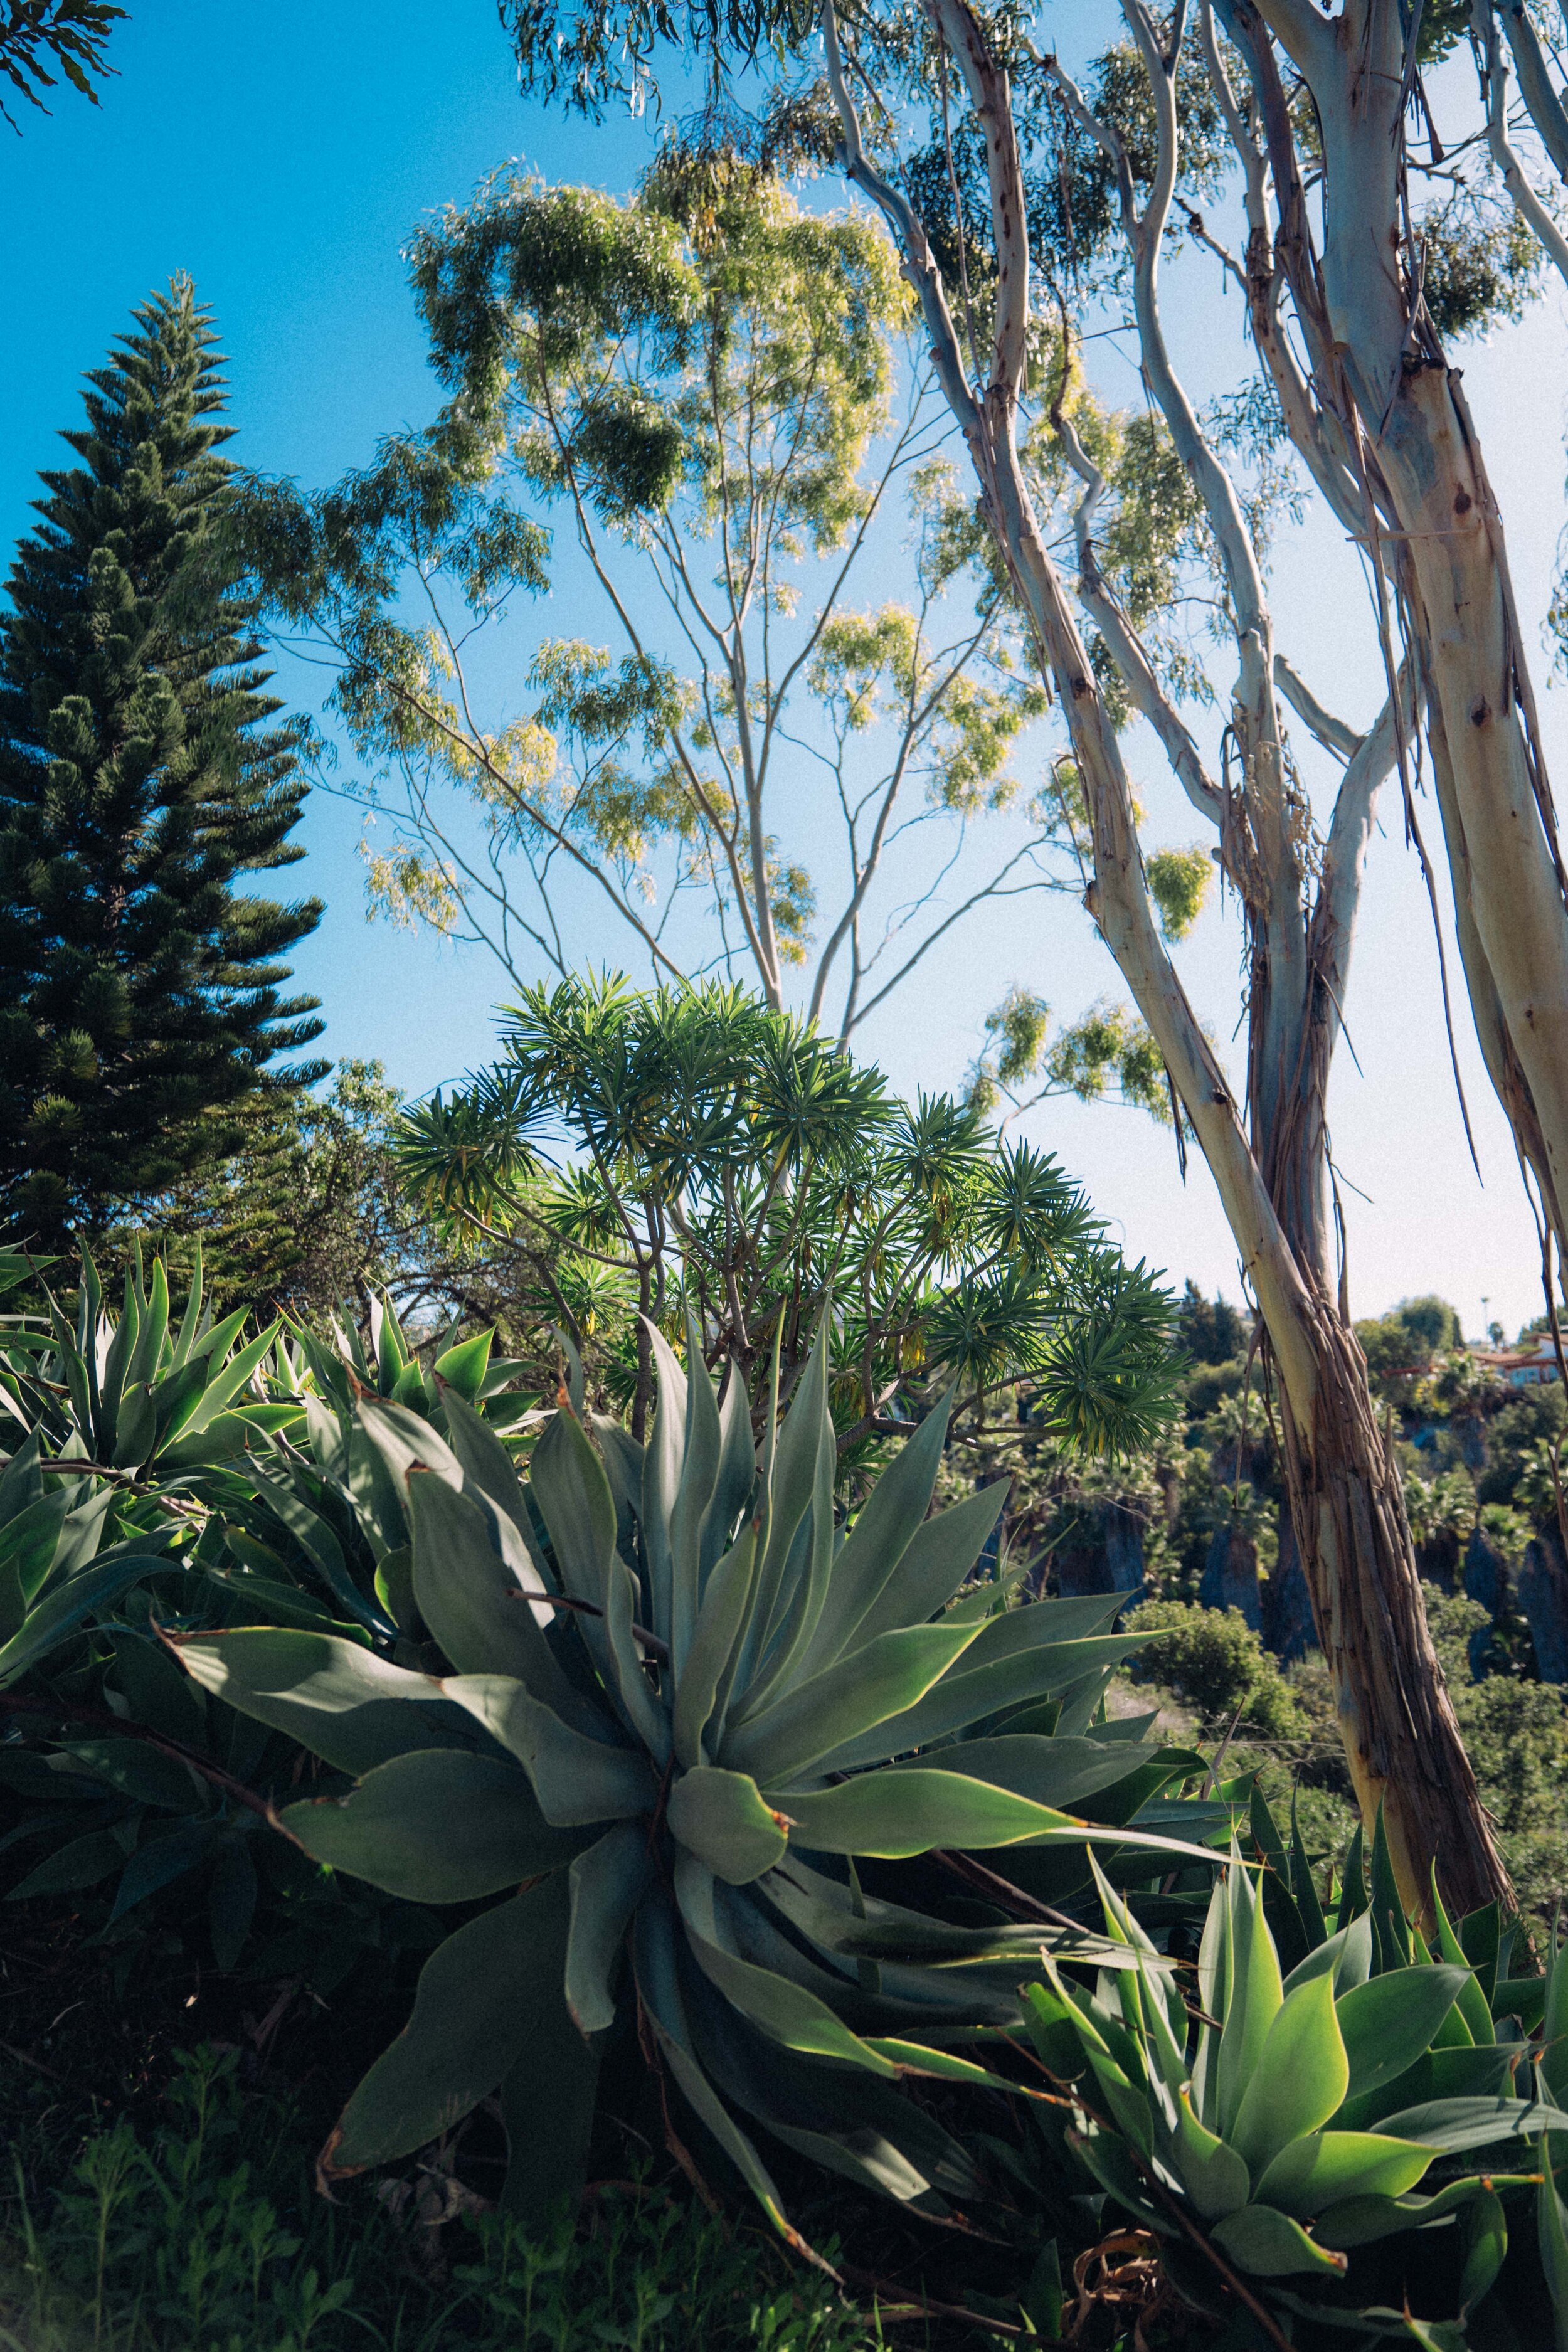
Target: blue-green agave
[{"x": 672, "y": 1703}]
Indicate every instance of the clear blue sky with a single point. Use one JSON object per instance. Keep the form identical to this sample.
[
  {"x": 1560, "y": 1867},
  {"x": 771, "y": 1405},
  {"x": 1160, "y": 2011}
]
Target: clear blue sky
[{"x": 282, "y": 157}]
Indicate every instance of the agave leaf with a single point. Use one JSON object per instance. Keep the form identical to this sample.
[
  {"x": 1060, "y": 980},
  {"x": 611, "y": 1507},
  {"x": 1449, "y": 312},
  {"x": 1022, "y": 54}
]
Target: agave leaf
[
  {"x": 1255, "y": 1996},
  {"x": 1391, "y": 2020},
  {"x": 279, "y": 1491},
  {"x": 785, "y": 2011},
  {"x": 152, "y": 1331},
  {"x": 1299, "y": 2080},
  {"x": 872, "y": 1552},
  {"x": 719, "y": 1621},
  {"x": 624, "y": 1461},
  {"x": 1346, "y": 1955},
  {"x": 1008, "y": 1669},
  {"x": 662, "y": 1460},
  {"x": 1328, "y": 2168},
  {"x": 227, "y": 1384},
  {"x": 789, "y": 1486},
  {"x": 607, "y": 1884},
  {"x": 1555, "y": 2022},
  {"x": 66, "y": 1605},
  {"x": 821, "y": 1717},
  {"x": 335, "y": 1698},
  {"x": 1112, "y": 2166},
  {"x": 1216, "y": 1960},
  {"x": 139, "y": 1771},
  {"x": 1551, "y": 2237},
  {"x": 736, "y": 1479},
  {"x": 463, "y": 1367},
  {"x": 577, "y": 1780},
  {"x": 1212, "y": 2175},
  {"x": 1050, "y": 1772},
  {"x": 896, "y": 1814},
  {"x": 935, "y": 1564},
  {"x": 1270, "y": 2245},
  {"x": 1486, "y": 2248},
  {"x": 478, "y": 1994},
  {"x": 722, "y": 1818},
  {"x": 438, "y": 1825},
  {"x": 578, "y": 1509},
  {"x": 698, "y": 1469},
  {"x": 1359, "y": 2220},
  {"x": 1455, "y": 2124},
  {"x": 486, "y": 1463},
  {"x": 472, "y": 1599},
  {"x": 547, "y": 2099},
  {"x": 653, "y": 1954},
  {"x": 795, "y": 1615}
]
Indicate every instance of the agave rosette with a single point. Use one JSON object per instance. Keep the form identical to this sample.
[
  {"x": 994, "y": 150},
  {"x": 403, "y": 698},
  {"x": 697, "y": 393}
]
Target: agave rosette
[{"x": 683, "y": 1705}]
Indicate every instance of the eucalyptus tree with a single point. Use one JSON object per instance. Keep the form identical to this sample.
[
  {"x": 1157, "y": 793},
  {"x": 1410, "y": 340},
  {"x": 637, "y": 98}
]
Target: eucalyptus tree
[
  {"x": 45, "y": 42},
  {"x": 774, "y": 769},
  {"x": 691, "y": 1151},
  {"x": 1035, "y": 195}
]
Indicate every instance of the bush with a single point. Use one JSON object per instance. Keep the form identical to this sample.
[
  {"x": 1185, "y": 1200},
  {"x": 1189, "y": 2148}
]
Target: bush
[{"x": 1213, "y": 1662}]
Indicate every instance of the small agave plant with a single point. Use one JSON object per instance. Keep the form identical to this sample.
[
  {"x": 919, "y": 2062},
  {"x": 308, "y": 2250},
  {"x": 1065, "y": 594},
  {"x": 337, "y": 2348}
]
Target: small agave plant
[
  {"x": 672, "y": 1703},
  {"x": 1285, "y": 2120}
]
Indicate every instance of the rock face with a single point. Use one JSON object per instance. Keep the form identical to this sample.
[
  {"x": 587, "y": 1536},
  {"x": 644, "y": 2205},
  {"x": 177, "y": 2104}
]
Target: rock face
[
  {"x": 1486, "y": 1580},
  {"x": 1230, "y": 1576},
  {"x": 1287, "y": 1627},
  {"x": 1104, "y": 1554},
  {"x": 1544, "y": 1596}
]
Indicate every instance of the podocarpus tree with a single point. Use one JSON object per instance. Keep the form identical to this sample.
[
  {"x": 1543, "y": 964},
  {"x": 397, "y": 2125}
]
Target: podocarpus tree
[
  {"x": 138, "y": 779},
  {"x": 1342, "y": 305}
]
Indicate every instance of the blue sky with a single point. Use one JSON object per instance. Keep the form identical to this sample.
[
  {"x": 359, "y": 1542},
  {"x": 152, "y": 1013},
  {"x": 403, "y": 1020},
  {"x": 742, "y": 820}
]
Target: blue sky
[{"x": 282, "y": 158}]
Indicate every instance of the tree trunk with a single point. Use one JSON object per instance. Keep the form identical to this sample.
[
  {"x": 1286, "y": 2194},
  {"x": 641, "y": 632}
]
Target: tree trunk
[{"x": 1401, "y": 1739}]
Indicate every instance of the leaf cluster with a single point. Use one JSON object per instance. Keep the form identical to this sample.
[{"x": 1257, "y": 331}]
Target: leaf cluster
[{"x": 708, "y": 1153}]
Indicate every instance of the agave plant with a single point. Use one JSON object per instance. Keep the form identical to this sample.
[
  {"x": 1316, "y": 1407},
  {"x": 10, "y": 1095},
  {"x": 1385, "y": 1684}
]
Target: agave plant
[
  {"x": 1283, "y": 2120},
  {"x": 314, "y": 1512},
  {"x": 684, "y": 1708},
  {"x": 109, "y": 1413}
]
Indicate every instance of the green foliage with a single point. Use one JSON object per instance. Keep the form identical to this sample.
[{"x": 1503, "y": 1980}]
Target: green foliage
[
  {"x": 1179, "y": 884},
  {"x": 1304, "y": 2109},
  {"x": 171, "y": 1475},
  {"x": 700, "y": 376},
  {"x": 643, "y": 1757},
  {"x": 1214, "y": 1662},
  {"x": 1481, "y": 266},
  {"x": 71, "y": 35},
  {"x": 729, "y": 1159},
  {"x": 1106, "y": 1052},
  {"x": 1409, "y": 1335},
  {"x": 305, "y": 1217},
  {"x": 1211, "y": 1331},
  {"x": 138, "y": 779},
  {"x": 205, "y": 2230}
]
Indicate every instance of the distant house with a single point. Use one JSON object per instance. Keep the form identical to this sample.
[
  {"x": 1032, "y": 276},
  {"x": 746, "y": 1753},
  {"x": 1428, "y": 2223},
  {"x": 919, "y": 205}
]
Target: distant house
[{"x": 1524, "y": 1367}]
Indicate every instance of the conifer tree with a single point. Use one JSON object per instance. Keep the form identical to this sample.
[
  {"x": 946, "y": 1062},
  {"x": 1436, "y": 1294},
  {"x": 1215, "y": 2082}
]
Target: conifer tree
[{"x": 140, "y": 776}]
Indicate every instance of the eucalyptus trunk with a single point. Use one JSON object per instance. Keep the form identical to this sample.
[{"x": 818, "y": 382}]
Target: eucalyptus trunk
[{"x": 1401, "y": 1739}]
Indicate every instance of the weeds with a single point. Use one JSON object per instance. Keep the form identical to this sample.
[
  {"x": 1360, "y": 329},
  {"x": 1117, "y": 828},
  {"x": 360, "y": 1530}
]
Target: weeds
[{"x": 203, "y": 2235}]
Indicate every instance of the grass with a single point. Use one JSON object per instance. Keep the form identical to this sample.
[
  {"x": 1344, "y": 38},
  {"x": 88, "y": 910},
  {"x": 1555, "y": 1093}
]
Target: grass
[{"x": 200, "y": 2231}]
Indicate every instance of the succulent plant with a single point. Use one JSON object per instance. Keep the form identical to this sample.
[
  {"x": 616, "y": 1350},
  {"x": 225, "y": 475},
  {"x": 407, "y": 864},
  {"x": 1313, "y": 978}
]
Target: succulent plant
[
  {"x": 1283, "y": 2120},
  {"x": 682, "y": 1706}
]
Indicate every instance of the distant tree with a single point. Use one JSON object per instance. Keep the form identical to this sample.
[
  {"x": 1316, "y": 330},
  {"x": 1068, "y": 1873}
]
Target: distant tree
[
  {"x": 1210, "y": 1329},
  {"x": 138, "y": 779},
  {"x": 67, "y": 36}
]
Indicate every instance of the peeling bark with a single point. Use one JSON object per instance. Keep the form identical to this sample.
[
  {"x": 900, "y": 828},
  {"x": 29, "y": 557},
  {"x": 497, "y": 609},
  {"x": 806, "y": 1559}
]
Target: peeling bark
[{"x": 1401, "y": 1738}]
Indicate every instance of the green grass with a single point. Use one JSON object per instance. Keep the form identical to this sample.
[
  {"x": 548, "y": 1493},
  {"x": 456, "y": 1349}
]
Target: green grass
[{"x": 201, "y": 2232}]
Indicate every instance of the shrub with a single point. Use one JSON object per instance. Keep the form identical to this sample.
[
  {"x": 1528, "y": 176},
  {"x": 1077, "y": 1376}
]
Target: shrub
[{"x": 1213, "y": 1662}]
